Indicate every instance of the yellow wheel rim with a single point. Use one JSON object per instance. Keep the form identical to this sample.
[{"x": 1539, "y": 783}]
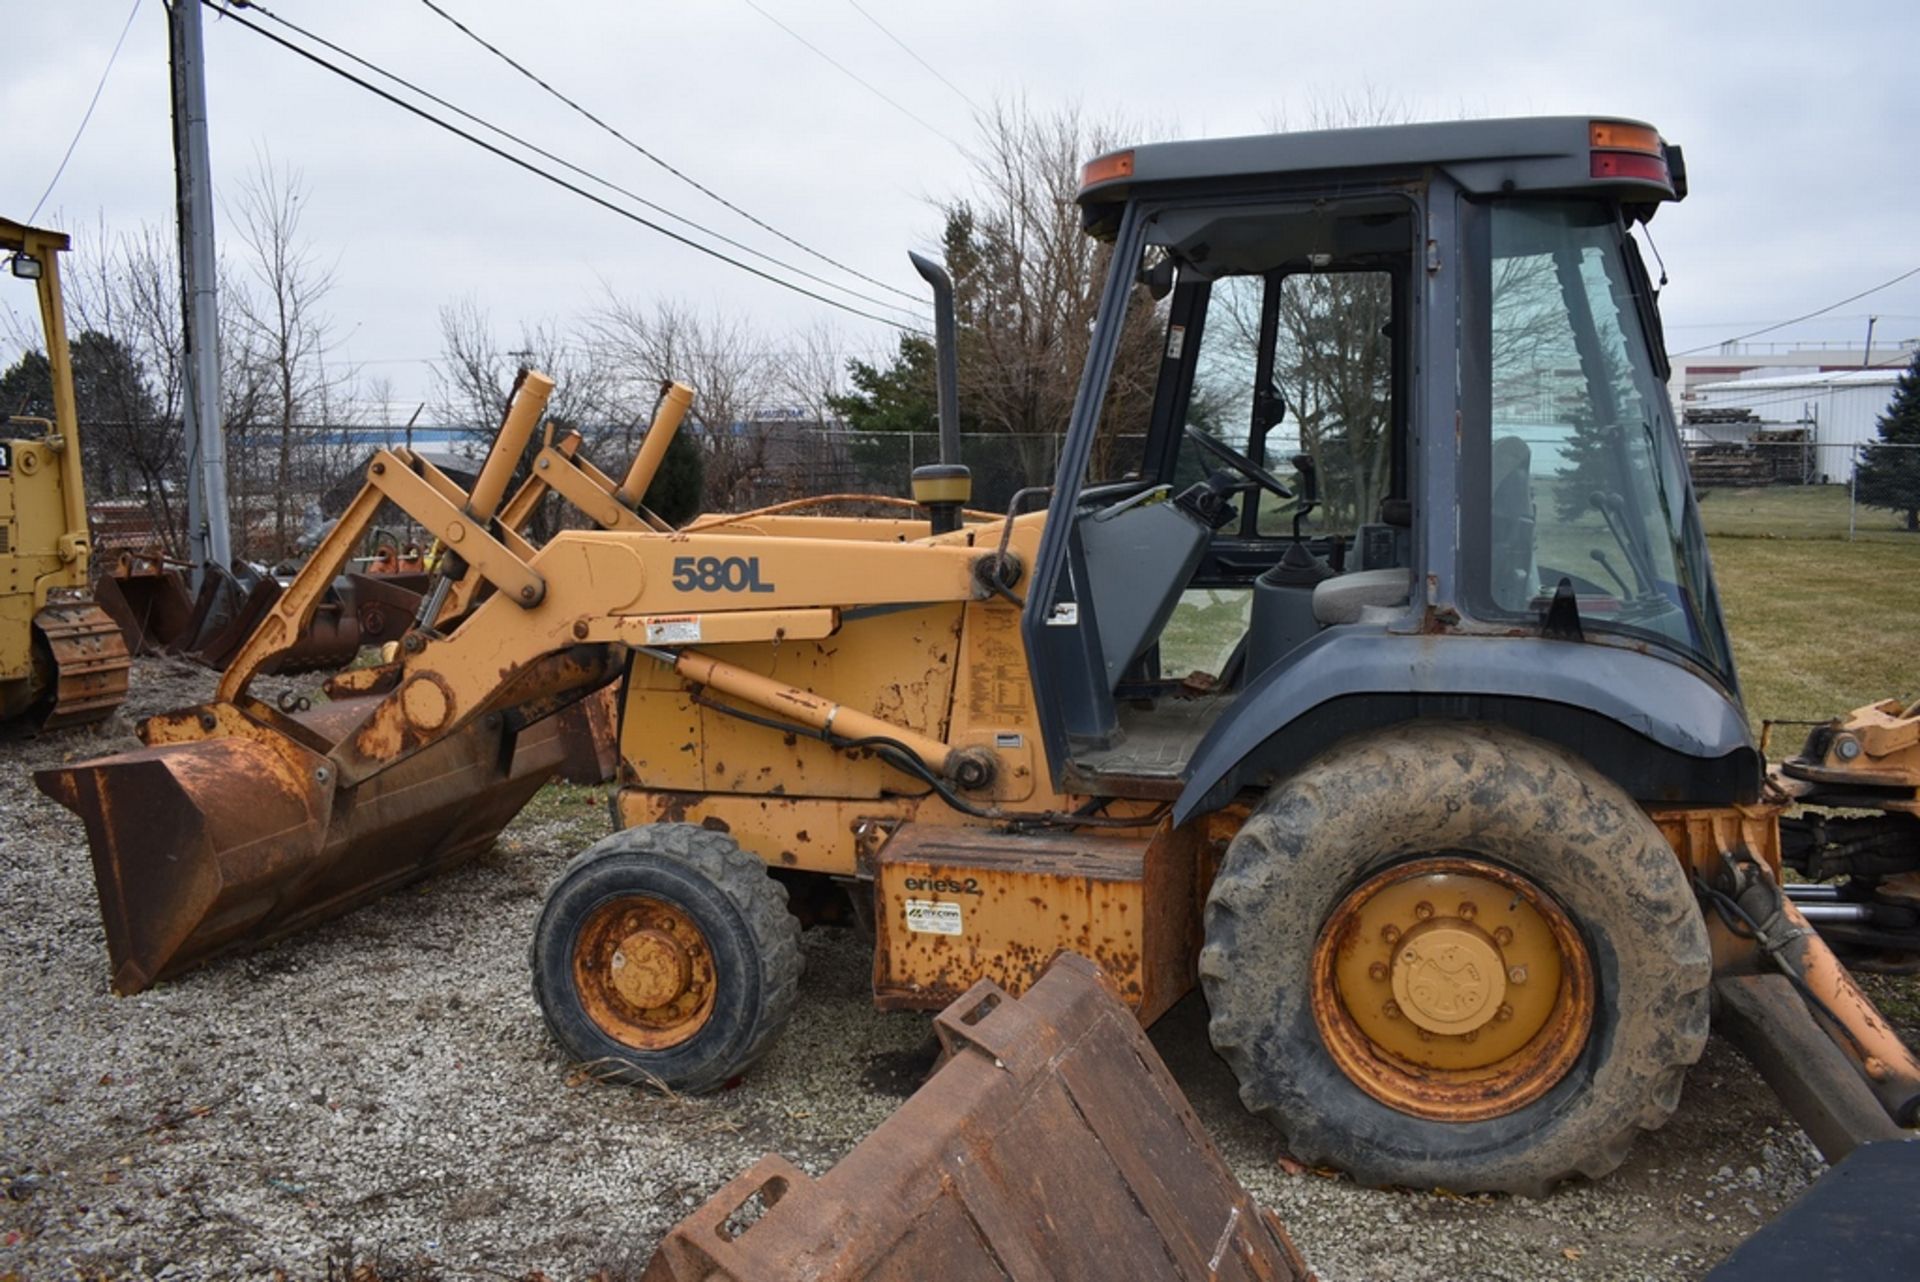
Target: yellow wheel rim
[
  {"x": 1453, "y": 989},
  {"x": 644, "y": 972}
]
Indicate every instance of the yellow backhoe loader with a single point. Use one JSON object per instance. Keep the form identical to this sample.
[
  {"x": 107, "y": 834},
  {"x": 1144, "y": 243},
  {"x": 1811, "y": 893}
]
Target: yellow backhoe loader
[
  {"x": 62, "y": 660},
  {"x": 1458, "y": 822}
]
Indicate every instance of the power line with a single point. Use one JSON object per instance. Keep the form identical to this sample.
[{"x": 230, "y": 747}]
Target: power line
[
  {"x": 1768, "y": 329},
  {"x": 849, "y": 74},
  {"x": 88, "y": 115},
  {"x": 556, "y": 180},
  {"x": 916, "y": 57},
  {"x": 683, "y": 177},
  {"x": 565, "y": 163}
]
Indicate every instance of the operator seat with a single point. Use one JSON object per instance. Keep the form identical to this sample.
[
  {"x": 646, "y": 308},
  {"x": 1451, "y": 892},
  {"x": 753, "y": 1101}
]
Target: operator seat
[{"x": 1347, "y": 597}]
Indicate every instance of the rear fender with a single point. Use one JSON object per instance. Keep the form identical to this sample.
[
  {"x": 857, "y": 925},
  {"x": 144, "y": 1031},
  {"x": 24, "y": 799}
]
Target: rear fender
[{"x": 1662, "y": 731}]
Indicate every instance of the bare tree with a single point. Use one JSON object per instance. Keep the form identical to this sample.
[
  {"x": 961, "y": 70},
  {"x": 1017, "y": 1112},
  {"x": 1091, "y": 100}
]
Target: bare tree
[
  {"x": 808, "y": 372},
  {"x": 1028, "y": 282},
  {"x": 288, "y": 338},
  {"x": 723, "y": 360},
  {"x": 473, "y": 379},
  {"x": 125, "y": 288}
]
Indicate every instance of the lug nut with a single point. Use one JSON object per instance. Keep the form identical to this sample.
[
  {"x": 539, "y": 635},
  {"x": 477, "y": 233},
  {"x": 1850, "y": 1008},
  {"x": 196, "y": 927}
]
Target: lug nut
[
  {"x": 1471, "y": 1035},
  {"x": 1468, "y": 910},
  {"x": 1425, "y": 1036},
  {"x": 1518, "y": 975},
  {"x": 1423, "y": 910},
  {"x": 1503, "y": 936},
  {"x": 1390, "y": 933},
  {"x": 1377, "y": 971},
  {"x": 1504, "y": 1014},
  {"x": 1390, "y": 1009}
]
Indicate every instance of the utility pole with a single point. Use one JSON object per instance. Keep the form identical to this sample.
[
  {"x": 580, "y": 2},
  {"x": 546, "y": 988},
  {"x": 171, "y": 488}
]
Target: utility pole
[{"x": 207, "y": 534}]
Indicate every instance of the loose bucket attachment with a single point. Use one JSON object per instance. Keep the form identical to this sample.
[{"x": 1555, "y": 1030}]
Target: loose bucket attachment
[
  {"x": 358, "y": 610},
  {"x": 203, "y": 846},
  {"x": 1051, "y": 1144},
  {"x": 148, "y": 598}
]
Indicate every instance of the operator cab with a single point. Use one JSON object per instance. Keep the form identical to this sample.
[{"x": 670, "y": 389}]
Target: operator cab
[{"x": 1264, "y": 459}]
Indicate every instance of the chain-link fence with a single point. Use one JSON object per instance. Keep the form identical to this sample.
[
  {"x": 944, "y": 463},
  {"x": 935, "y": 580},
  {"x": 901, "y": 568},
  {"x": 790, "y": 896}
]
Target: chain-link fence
[
  {"x": 1784, "y": 486},
  {"x": 1776, "y": 483}
]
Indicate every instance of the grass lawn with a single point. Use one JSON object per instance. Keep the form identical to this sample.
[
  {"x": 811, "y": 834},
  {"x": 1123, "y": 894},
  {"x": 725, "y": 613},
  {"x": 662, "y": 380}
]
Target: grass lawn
[
  {"x": 1795, "y": 512},
  {"x": 1820, "y": 626}
]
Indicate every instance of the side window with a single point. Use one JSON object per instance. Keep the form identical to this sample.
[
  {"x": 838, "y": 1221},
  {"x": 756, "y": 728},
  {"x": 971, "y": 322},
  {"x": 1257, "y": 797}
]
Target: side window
[
  {"x": 1572, "y": 464},
  {"x": 1587, "y": 481}
]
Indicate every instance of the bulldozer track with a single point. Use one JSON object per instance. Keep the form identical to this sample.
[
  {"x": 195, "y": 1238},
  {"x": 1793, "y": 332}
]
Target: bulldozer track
[{"x": 90, "y": 663}]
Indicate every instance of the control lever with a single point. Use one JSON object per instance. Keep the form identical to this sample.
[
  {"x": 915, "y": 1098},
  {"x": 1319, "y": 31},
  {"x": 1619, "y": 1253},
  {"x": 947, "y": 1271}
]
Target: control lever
[{"x": 1309, "y": 490}]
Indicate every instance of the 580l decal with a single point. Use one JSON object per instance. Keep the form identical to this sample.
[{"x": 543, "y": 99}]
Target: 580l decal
[{"x": 718, "y": 574}]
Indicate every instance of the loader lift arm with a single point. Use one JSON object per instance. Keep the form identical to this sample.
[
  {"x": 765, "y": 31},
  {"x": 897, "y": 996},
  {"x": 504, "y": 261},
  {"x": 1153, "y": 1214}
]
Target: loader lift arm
[{"x": 451, "y": 726}]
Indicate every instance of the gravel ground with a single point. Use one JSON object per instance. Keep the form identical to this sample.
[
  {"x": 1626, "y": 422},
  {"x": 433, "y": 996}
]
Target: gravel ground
[{"x": 382, "y": 1087}]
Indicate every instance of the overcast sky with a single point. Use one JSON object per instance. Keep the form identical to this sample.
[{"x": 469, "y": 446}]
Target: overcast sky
[{"x": 1798, "y": 122}]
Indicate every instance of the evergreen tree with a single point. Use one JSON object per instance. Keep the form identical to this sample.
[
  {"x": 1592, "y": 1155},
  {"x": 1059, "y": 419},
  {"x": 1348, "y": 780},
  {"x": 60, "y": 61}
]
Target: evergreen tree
[
  {"x": 675, "y": 491},
  {"x": 109, "y": 383},
  {"x": 1888, "y": 474},
  {"x": 26, "y": 389},
  {"x": 897, "y": 398}
]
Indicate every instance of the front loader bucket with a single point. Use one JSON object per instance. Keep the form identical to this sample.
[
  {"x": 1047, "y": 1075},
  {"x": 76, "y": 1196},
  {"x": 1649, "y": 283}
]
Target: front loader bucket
[{"x": 202, "y": 847}]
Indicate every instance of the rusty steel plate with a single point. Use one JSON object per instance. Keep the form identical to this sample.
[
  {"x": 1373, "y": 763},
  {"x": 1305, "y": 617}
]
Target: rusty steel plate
[{"x": 1051, "y": 1144}]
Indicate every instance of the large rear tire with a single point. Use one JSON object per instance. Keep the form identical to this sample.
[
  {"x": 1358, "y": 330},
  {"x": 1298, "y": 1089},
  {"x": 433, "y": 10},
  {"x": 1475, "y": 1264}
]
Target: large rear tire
[
  {"x": 1451, "y": 956},
  {"x": 665, "y": 956}
]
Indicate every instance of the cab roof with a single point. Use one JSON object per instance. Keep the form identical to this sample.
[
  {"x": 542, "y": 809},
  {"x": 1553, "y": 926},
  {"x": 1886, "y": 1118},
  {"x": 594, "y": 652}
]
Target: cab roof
[{"x": 1534, "y": 154}]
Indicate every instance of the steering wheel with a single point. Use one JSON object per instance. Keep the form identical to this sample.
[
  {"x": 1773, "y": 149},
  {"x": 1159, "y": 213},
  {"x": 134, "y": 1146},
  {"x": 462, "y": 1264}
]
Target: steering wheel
[{"x": 1239, "y": 462}]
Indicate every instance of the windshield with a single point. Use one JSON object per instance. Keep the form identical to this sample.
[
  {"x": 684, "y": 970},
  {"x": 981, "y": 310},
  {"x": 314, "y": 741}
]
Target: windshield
[
  {"x": 1295, "y": 363},
  {"x": 1587, "y": 484}
]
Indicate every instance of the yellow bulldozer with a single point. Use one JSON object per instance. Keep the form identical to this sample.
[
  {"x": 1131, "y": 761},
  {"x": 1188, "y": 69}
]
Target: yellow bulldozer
[
  {"x": 62, "y": 660},
  {"x": 1459, "y": 824}
]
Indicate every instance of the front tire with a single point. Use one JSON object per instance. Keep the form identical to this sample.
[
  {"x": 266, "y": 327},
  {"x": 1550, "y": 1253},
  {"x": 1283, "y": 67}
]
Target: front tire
[
  {"x": 1452, "y": 956},
  {"x": 665, "y": 956}
]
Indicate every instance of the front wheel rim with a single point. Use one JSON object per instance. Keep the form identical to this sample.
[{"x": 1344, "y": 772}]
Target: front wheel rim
[
  {"x": 1452, "y": 989},
  {"x": 644, "y": 972}
]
